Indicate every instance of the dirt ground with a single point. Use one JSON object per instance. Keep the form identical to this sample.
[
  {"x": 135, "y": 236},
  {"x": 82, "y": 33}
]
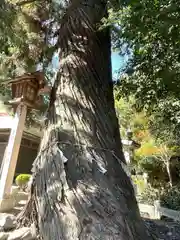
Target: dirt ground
[{"x": 163, "y": 230}]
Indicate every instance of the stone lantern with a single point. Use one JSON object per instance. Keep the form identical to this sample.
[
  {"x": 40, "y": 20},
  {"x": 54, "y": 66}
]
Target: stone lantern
[
  {"x": 25, "y": 95},
  {"x": 129, "y": 146},
  {"x": 129, "y": 134},
  {"x": 25, "y": 89}
]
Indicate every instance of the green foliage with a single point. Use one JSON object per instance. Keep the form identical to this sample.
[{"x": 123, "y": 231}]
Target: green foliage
[
  {"x": 128, "y": 116},
  {"x": 124, "y": 113},
  {"x": 139, "y": 183},
  {"x": 21, "y": 38},
  {"x": 22, "y": 180},
  {"x": 169, "y": 197},
  {"x": 149, "y": 32},
  {"x": 155, "y": 169},
  {"x": 149, "y": 195},
  {"x": 26, "y": 37},
  {"x": 156, "y": 150},
  {"x": 25, "y": 34}
]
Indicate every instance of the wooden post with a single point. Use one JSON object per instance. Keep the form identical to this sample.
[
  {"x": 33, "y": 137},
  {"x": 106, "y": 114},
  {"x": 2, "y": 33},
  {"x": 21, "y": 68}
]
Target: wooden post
[{"x": 12, "y": 150}]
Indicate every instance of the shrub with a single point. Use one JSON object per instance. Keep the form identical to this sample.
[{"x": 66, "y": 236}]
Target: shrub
[
  {"x": 170, "y": 198},
  {"x": 149, "y": 195},
  {"x": 139, "y": 183},
  {"x": 22, "y": 180}
]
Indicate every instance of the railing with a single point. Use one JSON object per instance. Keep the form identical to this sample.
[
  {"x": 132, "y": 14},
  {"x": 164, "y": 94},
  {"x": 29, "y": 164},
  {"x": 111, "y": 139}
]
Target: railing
[{"x": 156, "y": 211}]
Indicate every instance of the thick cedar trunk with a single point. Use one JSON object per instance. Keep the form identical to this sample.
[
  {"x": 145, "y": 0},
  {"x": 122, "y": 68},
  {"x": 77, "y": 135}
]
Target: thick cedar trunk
[{"x": 89, "y": 196}]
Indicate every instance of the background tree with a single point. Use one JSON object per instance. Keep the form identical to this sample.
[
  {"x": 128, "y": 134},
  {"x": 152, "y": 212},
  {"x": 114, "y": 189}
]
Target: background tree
[
  {"x": 158, "y": 154},
  {"x": 148, "y": 31},
  {"x": 23, "y": 44}
]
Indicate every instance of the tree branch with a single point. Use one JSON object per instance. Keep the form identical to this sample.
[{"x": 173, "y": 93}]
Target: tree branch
[{"x": 25, "y": 2}]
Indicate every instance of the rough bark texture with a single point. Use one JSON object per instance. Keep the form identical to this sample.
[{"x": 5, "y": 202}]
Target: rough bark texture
[{"x": 89, "y": 196}]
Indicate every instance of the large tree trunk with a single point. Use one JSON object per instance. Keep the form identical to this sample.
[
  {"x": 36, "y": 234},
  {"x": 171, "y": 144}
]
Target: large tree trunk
[{"x": 79, "y": 188}]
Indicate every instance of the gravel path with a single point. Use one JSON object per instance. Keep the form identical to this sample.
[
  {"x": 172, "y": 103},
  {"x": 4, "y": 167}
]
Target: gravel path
[{"x": 161, "y": 230}]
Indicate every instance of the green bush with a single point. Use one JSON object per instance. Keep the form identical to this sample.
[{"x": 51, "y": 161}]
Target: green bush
[
  {"x": 149, "y": 195},
  {"x": 22, "y": 180},
  {"x": 169, "y": 197},
  {"x": 139, "y": 183}
]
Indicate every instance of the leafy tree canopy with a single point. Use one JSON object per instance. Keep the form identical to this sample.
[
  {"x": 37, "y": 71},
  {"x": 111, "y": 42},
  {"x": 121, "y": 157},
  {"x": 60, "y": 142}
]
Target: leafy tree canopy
[
  {"x": 26, "y": 41},
  {"x": 155, "y": 151},
  {"x": 148, "y": 31}
]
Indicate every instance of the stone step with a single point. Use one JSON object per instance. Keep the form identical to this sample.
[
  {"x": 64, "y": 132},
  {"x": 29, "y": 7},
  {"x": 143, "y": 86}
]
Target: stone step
[
  {"x": 8, "y": 204},
  {"x": 8, "y": 229},
  {"x": 16, "y": 211},
  {"x": 21, "y": 234},
  {"x": 18, "y": 208},
  {"x": 21, "y": 196},
  {"x": 22, "y": 202}
]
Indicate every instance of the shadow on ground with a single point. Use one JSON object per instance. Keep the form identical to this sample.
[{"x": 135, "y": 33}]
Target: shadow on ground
[{"x": 163, "y": 230}]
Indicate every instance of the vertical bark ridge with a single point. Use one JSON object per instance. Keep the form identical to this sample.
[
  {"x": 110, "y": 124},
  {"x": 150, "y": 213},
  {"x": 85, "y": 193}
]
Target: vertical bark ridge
[{"x": 89, "y": 196}]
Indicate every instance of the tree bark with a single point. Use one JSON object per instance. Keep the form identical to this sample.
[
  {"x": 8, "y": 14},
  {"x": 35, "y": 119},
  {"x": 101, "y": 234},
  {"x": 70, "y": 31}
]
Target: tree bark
[{"x": 79, "y": 189}]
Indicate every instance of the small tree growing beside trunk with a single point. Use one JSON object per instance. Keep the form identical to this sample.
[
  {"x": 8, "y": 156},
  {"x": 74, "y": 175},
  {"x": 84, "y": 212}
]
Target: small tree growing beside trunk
[{"x": 79, "y": 189}]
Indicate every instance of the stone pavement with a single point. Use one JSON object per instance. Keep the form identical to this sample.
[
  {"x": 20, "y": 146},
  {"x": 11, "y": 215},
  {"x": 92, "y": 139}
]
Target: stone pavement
[{"x": 8, "y": 229}]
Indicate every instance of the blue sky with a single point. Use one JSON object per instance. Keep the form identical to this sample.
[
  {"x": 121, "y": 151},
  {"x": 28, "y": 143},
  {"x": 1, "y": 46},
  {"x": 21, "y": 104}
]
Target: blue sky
[{"x": 117, "y": 61}]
